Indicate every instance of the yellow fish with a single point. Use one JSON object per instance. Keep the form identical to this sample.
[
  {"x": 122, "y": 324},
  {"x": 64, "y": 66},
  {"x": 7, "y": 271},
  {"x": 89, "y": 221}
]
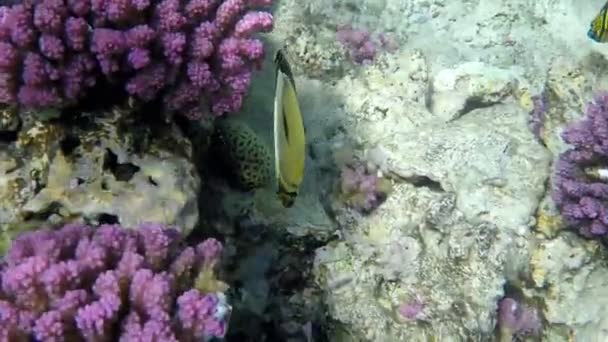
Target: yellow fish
[
  {"x": 289, "y": 134},
  {"x": 599, "y": 26}
]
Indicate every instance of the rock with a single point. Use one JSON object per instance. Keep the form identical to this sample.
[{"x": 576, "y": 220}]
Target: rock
[
  {"x": 488, "y": 158},
  {"x": 23, "y": 168},
  {"x": 455, "y": 229},
  {"x": 13, "y": 188},
  {"x": 9, "y": 119},
  {"x": 470, "y": 85},
  {"x": 416, "y": 246},
  {"x": 261, "y": 208},
  {"x": 446, "y": 116},
  {"x": 306, "y": 218},
  {"x": 570, "y": 279},
  {"x": 312, "y": 59},
  {"x": 103, "y": 174},
  {"x": 392, "y": 91}
]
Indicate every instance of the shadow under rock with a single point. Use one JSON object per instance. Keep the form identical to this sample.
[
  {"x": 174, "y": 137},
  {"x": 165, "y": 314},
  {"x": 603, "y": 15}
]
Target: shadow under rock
[{"x": 272, "y": 289}]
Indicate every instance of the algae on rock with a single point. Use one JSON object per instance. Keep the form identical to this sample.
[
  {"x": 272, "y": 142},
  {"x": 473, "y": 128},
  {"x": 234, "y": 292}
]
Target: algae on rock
[
  {"x": 9, "y": 119},
  {"x": 99, "y": 172},
  {"x": 103, "y": 177},
  {"x": 570, "y": 280},
  {"x": 416, "y": 245}
]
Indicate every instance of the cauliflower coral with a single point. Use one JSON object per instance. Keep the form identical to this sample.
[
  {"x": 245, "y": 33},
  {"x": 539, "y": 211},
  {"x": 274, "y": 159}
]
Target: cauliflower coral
[
  {"x": 109, "y": 284},
  {"x": 53, "y": 51},
  {"x": 580, "y": 188}
]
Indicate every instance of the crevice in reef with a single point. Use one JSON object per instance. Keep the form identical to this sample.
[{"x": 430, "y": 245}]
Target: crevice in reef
[
  {"x": 473, "y": 103},
  {"x": 8, "y": 136},
  {"x": 108, "y": 219},
  {"x": 10, "y": 127},
  {"x": 421, "y": 181},
  {"x": 68, "y": 144},
  {"x": 274, "y": 267},
  {"x": 152, "y": 181},
  {"x": 102, "y": 97},
  {"x": 43, "y": 215},
  {"x": 104, "y": 185},
  {"x": 122, "y": 172}
]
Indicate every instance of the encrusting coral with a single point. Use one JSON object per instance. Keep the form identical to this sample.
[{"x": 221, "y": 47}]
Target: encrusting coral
[
  {"x": 580, "y": 187},
  {"x": 53, "y": 51},
  {"x": 110, "y": 284}
]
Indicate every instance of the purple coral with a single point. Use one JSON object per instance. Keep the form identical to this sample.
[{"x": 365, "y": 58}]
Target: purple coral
[
  {"x": 517, "y": 319},
  {"x": 360, "y": 189},
  {"x": 413, "y": 309},
  {"x": 580, "y": 188},
  {"x": 361, "y": 46},
  {"x": 53, "y": 51},
  {"x": 79, "y": 283},
  {"x": 540, "y": 107}
]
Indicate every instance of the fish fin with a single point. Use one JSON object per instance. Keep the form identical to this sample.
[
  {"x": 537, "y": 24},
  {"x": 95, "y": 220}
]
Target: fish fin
[{"x": 599, "y": 26}]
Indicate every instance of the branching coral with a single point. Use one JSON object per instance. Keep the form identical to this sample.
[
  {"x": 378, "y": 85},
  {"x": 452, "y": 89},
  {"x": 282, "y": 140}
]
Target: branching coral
[
  {"x": 580, "y": 187},
  {"x": 109, "y": 284},
  {"x": 53, "y": 51}
]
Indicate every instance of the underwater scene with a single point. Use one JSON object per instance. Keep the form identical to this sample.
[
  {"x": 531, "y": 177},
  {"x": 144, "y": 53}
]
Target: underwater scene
[{"x": 303, "y": 171}]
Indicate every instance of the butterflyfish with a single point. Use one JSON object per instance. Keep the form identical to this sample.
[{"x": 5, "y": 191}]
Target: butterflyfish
[
  {"x": 599, "y": 26},
  {"x": 289, "y": 133}
]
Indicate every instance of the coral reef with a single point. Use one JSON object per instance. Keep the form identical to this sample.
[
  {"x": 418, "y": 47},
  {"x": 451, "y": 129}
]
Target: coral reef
[
  {"x": 245, "y": 155},
  {"x": 569, "y": 276},
  {"x": 580, "y": 190},
  {"x": 427, "y": 264},
  {"x": 469, "y": 226},
  {"x": 276, "y": 299},
  {"x": 470, "y": 85},
  {"x": 99, "y": 171},
  {"x": 448, "y": 230},
  {"x": 447, "y": 117},
  {"x": 509, "y": 174},
  {"x": 444, "y": 123},
  {"x": 52, "y": 51},
  {"x": 109, "y": 283},
  {"x": 313, "y": 60}
]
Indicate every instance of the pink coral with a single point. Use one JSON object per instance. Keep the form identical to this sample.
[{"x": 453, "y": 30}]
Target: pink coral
[
  {"x": 517, "y": 319},
  {"x": 52, "y": 52},
  {"x": 361, "y": 47},
  {"x": 412, "y": 309},
  {"x": 580, "y": 191},
  {"x": 361, "y": 189},
  {"x": 79, "y": 283}
]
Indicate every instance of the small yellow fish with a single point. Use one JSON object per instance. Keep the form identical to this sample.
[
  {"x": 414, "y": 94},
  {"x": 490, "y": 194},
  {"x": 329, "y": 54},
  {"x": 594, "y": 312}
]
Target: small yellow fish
[
  {"x": 289, "y": 134},
  {"x": 599, "y": 26}
]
